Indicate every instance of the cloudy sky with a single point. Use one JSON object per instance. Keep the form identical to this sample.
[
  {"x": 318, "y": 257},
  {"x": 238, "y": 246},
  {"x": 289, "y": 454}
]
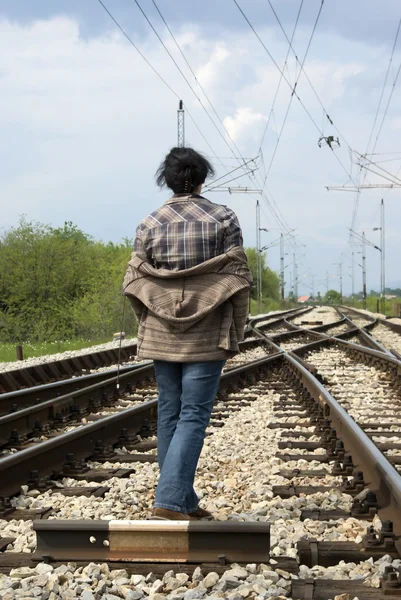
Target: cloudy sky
[{"x": 85, "y": 121}]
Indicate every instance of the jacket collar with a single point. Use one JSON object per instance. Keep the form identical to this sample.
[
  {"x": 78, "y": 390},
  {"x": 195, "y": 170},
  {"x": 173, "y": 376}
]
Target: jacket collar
[{"x": 183, "y": 197}]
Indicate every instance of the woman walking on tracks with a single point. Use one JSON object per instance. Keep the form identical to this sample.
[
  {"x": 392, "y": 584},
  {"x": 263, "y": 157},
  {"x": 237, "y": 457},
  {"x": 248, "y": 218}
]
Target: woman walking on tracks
[{"x": 188, "y": 282}]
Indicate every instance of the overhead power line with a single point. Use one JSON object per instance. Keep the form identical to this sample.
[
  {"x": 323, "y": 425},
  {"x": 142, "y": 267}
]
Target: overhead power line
[
  {"x": 384, "y": 86},
  {"x": 293, "y": 90},
  {"x": 125, "y": 34},
  {"x": 239, "y": 159},
  {"x": 281, "y": 75},
  {"x": 295, "y": 86},
  {"x": 305, "y": 73},
  {"x": 357, "y": 195}
]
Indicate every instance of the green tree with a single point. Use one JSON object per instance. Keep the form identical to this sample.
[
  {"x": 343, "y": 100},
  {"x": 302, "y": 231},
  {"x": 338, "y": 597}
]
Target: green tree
[
  {"x": 58, "y": 284},
  {"x": 332, "y": 297},
  {"x": 270, "y": 279}
]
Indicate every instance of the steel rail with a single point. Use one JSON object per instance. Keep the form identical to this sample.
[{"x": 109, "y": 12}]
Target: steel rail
[
  {"x": 48, "y": 457},
  {"x": 164, "y": 541},
  {"x": 278, "y": 315},
  {"x": 12, "y": 401},
  {"x": 382, "y": 477},
  {"x": 76, "y": 402},
  {"x": 356, "y": 348},
  {"x": 34, "y": 375},
  {"x": 72, "y": 404}
]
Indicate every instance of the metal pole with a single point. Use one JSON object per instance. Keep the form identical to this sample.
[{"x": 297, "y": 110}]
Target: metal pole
[
  {"x": 341, "y": 283},
  {"x": 282, "y": 268},
  {"x": 353, "y": 280},
  {"x": 295, "y": 277},
  {"x": 327, "y": 281},
  {"x": 364, "y": 269},
  {"x": 383, "y": 260},
  {"x": 258, "y": 260},
  {"x": 180, "y": 125}
]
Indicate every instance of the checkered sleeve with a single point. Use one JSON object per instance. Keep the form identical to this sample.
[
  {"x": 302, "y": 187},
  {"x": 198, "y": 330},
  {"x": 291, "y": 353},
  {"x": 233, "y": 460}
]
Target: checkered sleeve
[
  {"x": 139, "y": 243},
  {"x": 232, "y": 236}
]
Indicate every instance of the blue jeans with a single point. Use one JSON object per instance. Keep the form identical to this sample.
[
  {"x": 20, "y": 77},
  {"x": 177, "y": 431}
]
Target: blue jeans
[{"x": 186, "y": 396}]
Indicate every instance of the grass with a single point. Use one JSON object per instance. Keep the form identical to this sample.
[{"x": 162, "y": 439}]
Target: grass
[
  {"x": 269, "y": 305},
  {"x": 30, "y": 350}
]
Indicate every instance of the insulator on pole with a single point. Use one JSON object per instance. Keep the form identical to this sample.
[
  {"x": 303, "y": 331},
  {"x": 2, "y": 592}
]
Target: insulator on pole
[{"x": 180, "y": 125}]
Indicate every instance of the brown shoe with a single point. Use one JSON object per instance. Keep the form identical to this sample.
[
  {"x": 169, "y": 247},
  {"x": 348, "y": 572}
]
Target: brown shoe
[
  {"x": 164, "y": 514},
  {"x": 201, "y": 513}
]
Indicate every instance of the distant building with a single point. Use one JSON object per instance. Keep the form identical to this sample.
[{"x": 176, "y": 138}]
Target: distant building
[{"x": 303, "y": 299}]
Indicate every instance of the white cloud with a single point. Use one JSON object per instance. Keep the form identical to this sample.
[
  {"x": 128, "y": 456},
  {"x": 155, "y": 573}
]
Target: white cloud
[
  {"x": 86, "y": 123},
  {"x": 244, "y": 121}
]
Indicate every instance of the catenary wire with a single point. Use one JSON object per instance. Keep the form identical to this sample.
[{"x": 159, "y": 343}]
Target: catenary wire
[
  {"x": 325, "y": 112},
  {"x": 239, "y": 159},
  {"x": 292, "y": 94},
  {"x": 281, "y": 75},
  {"x": 158, "y": 75},
  {"x": 289, "y": 84}
]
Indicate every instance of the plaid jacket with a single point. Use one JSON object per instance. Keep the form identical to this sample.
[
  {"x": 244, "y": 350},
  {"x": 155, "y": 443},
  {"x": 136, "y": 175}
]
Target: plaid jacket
[
  {"x": 196, "y": 314},
  {"x": 186, "y": 231}
]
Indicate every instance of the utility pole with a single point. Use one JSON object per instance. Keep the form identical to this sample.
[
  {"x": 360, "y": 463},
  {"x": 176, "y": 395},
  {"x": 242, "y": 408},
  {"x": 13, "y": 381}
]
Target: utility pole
[
  {"x": 383, "y": 261},
  {"x": 258, "y": 260},
  {"x": 282, "y": 283},
  {"x": 327, "y": 281},
  {"x": 364, "y": 269},
  {"x": 295, "y": 268},
  {"x": 312, "y": 286},
  {"x": 340, "y": 271},
  {"x": 353, "y": 279},
  {"x": 180, "y": 125}
]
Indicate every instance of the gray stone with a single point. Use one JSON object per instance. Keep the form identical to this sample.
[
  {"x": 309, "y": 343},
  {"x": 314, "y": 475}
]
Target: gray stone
[
  {"x": 171, "y": 584},
  {"x": 194, "y": 594},
  {"x": 62, "y": 569},
  {"x": 220, "y": 586},
  {"x": 150, "y": 578},
  {"x": 231, "y": 582},
  {"x": 137, "y": 579},
  {"x": 238, "y": 572},
  {"x": 21, "y": 572},
  {"x": 132, "y": 594},
  {"x": 234, "y": 596},
  {"x": 182, "y": 577},
  {"x": 252, "y": 568},
  {"x": 31, "y": 582},
  {"x": 110, "y": 597},
  {"x": 157, "y": 596},
  {"x": 43, "y": 568},
  {"x": 244, "y": 590},
  {"x": 92, "y": 570},
  {"x": 87, "y": 595},
  {"x": 210, "y": 580},
  {"x": 272, "y": 575},
  {"x": 116, "y": 573},
  {"x": 168, "y": 575},
  {"x": 175, "y": 595},
  {"x": 197, "y": 575}
]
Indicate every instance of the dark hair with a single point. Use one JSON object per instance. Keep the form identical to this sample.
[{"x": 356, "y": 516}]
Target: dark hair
[{"x": 183, "y": 170}]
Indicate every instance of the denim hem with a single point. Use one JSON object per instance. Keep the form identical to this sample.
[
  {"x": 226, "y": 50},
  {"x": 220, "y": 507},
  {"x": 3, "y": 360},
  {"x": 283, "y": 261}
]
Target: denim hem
[
  {"x": 170, "y": 507},
  {"x": 191, "y": 510}
]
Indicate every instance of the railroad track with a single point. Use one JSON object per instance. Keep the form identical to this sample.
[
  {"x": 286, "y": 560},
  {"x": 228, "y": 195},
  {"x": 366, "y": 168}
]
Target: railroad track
[
  {"x": 385, "y": 332},
  {"x": 48, "y": 371},
  {"x": 43, "y": 412},
  {"x": 298, "y": 474}
]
